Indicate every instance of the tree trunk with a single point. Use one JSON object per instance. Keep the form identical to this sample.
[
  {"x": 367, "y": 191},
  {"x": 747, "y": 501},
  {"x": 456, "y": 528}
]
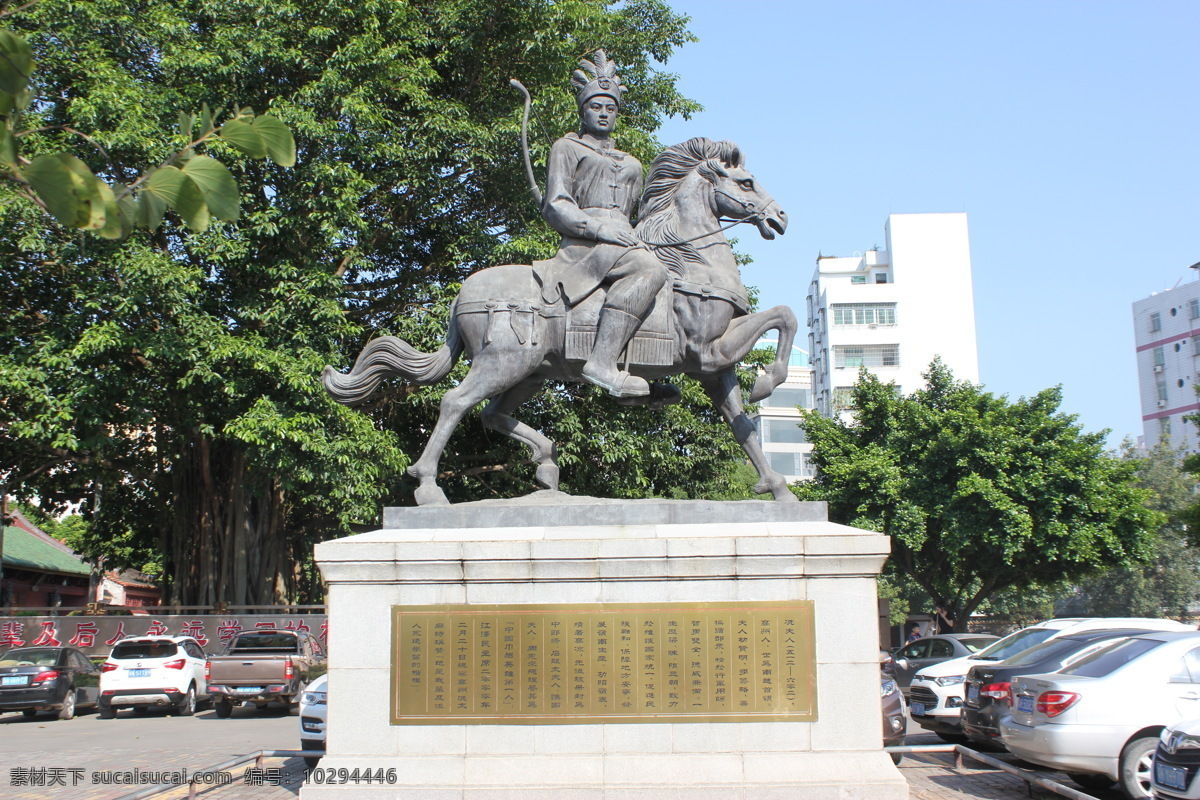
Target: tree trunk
[{"x": 225, "y": 537}]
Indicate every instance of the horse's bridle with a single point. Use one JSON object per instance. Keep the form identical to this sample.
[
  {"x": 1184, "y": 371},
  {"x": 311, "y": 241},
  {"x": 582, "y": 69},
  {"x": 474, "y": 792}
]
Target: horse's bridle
[{"x": 752, "y": 214}]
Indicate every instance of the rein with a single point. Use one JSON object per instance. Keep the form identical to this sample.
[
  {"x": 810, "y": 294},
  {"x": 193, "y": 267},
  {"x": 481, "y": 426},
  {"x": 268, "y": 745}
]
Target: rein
[{"x": 748, "y": 207}]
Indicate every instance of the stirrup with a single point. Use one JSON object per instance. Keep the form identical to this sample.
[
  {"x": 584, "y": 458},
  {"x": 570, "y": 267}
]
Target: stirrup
[{"x": 624, "y": 386}]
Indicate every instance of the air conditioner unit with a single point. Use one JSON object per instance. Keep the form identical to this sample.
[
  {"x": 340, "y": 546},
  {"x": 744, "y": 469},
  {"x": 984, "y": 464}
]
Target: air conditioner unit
[
  {"x": 1158, "y": 367},
  {"x": 1162, "y": 403}
]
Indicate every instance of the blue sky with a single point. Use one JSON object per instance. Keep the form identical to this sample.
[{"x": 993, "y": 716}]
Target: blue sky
[{"x": 1069, "y": 132}]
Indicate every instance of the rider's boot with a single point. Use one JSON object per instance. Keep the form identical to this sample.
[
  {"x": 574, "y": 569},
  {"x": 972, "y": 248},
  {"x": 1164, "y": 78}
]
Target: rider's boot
[{"x": 616, "y": 328}]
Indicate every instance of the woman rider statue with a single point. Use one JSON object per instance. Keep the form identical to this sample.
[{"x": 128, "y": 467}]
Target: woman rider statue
[{"x": 591, "y": 190}]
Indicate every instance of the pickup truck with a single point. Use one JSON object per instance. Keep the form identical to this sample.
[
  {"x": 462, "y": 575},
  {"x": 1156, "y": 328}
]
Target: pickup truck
[{"x": 261, "y": 666}]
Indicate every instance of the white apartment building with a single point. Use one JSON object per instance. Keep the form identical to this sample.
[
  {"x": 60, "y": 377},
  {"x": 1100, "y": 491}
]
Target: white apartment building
[
  {"x": 893, "y": 310},
  {"x": 783, "y": 440},
  {"x": 1166, "y": 334}
]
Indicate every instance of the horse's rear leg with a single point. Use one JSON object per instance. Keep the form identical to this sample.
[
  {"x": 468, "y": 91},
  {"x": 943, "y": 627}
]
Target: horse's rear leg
[
  {"x": 726, "y": 395},
  {"x": 483, "y": 380},
  {"x": 497, "y": 416}
]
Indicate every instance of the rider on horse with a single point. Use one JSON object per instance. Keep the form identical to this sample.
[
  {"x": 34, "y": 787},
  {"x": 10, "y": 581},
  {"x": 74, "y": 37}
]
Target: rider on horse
[{"x": 591, "y": 190}]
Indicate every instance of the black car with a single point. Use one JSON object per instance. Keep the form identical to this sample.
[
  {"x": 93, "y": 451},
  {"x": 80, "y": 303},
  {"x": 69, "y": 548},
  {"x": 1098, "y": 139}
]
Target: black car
[
  {"x": 987, "y": 688},
  {"x": 37, "y": 679}
]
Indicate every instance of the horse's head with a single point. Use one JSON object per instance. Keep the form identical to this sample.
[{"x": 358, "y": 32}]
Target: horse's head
[
  {"x": 737, "y": 195},
  {"x": 713, "y": 175}
]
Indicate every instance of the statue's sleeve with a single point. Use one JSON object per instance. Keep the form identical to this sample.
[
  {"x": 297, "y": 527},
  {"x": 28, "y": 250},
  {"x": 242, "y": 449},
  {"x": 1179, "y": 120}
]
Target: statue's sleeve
[{"x": 561, "y": 209}]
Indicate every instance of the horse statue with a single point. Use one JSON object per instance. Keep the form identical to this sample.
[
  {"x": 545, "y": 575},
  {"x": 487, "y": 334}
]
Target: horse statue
[{"x": 516, "y": 340}]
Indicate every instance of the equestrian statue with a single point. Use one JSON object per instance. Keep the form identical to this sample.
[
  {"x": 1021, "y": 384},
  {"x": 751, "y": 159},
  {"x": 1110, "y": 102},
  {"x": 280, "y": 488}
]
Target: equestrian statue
[{"x": 619, "y": 307}]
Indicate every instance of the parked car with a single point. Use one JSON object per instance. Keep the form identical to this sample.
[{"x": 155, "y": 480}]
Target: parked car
[
  {"x": 929, "y": 650},
  {"x": 153, "y": 671},
  {"x": 1177, "y": 762},
  {"x": 263, "y": 666},
  {"x": 895, "y": 722},
  {"x": 38, "y": 679},
  {"x": 312, "y": 718},
  {"x": 938, "y": 692},
  {"x": 988, "y": 686},
  {"x": 1099, "y": 720}
]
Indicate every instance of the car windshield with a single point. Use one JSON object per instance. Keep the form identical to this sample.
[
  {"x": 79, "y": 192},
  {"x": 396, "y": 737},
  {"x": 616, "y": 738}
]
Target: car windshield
[
  {"x": 1013, "y": 643},
  {"x": 1042, "y": 652},
  {"x": 30, "y": 657},
  {"x": 975, "y": 645},
  {"x": 125, "y": 650},
  {"x": 1110, "y": 659}
]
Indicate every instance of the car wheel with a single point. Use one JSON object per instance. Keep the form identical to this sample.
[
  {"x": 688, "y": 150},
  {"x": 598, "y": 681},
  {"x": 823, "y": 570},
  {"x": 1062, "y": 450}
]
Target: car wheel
[
  {"x": 224, "y": 708},
  {"x": 312, "y": 761},
  {"x": 107, "y": 712},
  {"x": 1091, "y": 780},
  {"x": 187, "y": 704},
  {"x": 1137, "y": 761},
  {"x": 896, "y": 757},
  {"x": 30, "y": 713},
  {"x": 68, "y": 707}
]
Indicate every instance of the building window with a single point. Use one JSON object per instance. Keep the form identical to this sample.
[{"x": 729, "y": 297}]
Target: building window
[
  {"x": 864, "y": 313},
  {"x": 788, "y": 397},
  {"x": 867, "y": 355},
  {"x": 1159, "y": 358},
  {"x": 1164, "y": 426},
  {"x": 843, "y": 398},
  {"x": 858, "y": 279},
  {"x": 1155, "y": 322},
  {"x": 1194, "y": 309},
  {"x": 881, "y": 277},
  {"x": 781, "y": 431},
  {"x": 1161, "y": 384}
]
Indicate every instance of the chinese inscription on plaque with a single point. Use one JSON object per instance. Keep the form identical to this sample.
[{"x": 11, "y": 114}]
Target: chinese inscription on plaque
[{"x": 603, "y": 663}]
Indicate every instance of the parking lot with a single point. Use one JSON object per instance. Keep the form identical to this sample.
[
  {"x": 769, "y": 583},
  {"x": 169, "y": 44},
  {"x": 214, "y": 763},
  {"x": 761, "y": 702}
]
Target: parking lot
[{"x": 69, "y": 759}]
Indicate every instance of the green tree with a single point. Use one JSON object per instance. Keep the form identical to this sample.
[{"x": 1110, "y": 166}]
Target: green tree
[
  {"x": 170, "y": 378},
  {"x": 979, "y": 494},
  {"x": 1170, "y": 583}
]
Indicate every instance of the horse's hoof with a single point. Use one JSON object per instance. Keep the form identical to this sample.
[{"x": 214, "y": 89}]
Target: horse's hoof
[
  {"x": 661, "y": 395},
  {"x": 763, "y": 386},
  {"x": 430, "y": 496},
  {"x": 547, "y": 475},
  {"x": 777, "y": 489}
]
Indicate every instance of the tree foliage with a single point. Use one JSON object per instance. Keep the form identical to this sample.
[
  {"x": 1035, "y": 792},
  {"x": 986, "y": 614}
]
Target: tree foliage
[
  {"x": 1170, "y": 583},
  {"x": 979, "y": 494},
  {"x": 170, "y": 378},
  {"x": 198, "y": 189}
]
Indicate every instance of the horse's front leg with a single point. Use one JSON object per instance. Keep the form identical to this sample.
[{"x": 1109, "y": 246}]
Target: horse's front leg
[
  {"x": 741, "y": 336},
  {"x": 726, "y": 395}
]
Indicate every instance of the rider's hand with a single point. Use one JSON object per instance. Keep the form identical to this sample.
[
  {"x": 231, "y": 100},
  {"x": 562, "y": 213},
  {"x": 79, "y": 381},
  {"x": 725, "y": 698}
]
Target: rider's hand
[{"x": 610, "y": 234}]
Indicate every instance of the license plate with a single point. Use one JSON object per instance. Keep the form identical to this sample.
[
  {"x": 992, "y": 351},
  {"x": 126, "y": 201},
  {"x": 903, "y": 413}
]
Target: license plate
[
  {"x": 918, "y": 709},
  {"x": 14, "y": 680},
  {"x": 1171, "y": 777},
  {"x": 249, "y": 689},
  {"x": 1025, "y": 704},
  {"x": 139, "y": 673},
  {"x": 973, "y": 693}
]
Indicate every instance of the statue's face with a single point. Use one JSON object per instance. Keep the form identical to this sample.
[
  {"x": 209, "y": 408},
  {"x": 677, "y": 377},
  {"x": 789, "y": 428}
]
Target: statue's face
[{"x": 599, "y": 116}]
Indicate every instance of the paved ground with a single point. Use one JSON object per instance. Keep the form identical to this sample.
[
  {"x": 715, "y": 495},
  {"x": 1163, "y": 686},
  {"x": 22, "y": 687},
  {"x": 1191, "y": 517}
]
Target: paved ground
[{"x": 49, "y": 760}]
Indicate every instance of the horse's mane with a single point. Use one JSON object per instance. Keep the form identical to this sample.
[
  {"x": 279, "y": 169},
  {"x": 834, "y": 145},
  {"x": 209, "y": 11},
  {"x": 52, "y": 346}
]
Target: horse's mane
[{"x": 656, "y": 218}]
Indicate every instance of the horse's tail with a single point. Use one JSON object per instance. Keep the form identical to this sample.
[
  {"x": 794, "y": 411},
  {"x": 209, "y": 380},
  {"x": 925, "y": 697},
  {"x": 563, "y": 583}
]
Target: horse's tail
[{"x": 390, "y": 356}]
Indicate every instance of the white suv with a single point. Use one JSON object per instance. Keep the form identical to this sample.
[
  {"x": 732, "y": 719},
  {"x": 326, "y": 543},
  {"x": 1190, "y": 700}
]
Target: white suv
[
  {"x": 313, "y": 711},
  {"x": 150, "y": 671},
  {"x": 937, "y": 692}
]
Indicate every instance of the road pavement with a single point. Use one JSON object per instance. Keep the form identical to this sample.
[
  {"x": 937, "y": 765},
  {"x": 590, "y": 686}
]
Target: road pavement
[{"x": 45, "y": 759}]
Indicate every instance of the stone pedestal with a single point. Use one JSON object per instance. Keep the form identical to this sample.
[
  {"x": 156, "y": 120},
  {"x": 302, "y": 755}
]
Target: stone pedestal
[{"x": 569, "y": 551}]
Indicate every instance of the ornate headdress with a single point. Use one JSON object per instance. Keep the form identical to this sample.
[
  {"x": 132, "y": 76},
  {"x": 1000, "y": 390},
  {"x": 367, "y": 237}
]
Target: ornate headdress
[{"x": 604, "y": 80}]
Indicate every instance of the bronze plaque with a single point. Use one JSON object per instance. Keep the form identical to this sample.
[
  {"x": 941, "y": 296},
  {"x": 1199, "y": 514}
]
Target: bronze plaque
[{"x": 603, "y": 662}]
